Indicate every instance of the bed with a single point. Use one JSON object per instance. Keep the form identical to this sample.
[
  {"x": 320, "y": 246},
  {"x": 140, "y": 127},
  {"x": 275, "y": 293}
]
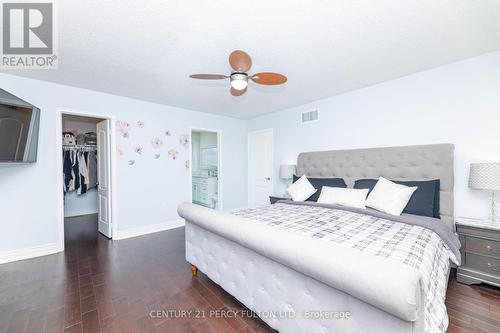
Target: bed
[{"x": 273, "y": 261}]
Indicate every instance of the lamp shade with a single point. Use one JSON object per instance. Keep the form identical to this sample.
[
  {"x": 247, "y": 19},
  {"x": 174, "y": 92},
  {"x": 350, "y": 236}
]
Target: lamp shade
[
  {"x": 287, "y": 171},
  {"x": 485, "y": 176}
]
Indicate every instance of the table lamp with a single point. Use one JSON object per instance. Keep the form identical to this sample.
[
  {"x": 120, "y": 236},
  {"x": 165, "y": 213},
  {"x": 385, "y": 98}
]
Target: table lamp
[
  {"x": 286, "y": 172},
  {"x": 486, "y": 176}
]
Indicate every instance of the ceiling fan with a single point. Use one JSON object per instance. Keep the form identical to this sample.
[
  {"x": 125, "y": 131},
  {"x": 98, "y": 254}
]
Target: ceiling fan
[{"x": 241, "y": 62}]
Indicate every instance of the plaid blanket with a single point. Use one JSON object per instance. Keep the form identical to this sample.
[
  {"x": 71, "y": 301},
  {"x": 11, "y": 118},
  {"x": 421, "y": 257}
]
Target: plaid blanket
[{"x": 412, "y": 245}]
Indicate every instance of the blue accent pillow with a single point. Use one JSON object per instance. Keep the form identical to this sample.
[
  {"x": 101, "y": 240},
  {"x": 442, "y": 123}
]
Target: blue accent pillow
[
  {"x": 318, "y": 184},
  {"x": 424, "y": 201}
]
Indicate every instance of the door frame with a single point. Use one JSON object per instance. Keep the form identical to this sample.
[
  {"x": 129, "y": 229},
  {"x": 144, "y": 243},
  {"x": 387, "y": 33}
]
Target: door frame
[
  {"x": 59, "y": 169},
  {"x": 249, "y": 175},
  {"x": 219, "y": 162}
]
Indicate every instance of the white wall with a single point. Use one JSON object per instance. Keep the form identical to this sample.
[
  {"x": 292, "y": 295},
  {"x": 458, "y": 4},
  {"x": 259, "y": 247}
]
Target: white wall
[
  {"x": 80, "y": 204},
  {"x": 195, "y": 151},
  {"x": 457, "y": 103},
  {"x": 148, "y": 191}
]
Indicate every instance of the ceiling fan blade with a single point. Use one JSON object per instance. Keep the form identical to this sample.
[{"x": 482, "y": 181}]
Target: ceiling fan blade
[
  {"x": 240, "y": 61},
  {"x": 269, "y": 78},
  {"x": 208, "y": 76},
  {"x": 236, "y": 92}
]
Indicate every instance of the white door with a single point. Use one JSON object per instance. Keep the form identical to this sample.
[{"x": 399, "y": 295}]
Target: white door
[
  {"x": 260, "y": 167},
  {"x": 103, "y": 177}
]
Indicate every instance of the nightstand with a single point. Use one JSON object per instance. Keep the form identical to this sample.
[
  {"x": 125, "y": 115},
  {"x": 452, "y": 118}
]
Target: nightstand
[
  {"x": 273, "y": 199},
  {"x": 480, "y": 251}
]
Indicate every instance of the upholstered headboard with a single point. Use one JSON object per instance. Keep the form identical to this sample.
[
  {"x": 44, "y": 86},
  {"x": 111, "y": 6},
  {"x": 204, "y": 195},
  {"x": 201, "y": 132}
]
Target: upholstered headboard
[{"x": 397, "y": 163}]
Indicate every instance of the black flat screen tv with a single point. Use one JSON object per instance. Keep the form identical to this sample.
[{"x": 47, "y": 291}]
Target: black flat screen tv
[{"x": 19, "y": 125}]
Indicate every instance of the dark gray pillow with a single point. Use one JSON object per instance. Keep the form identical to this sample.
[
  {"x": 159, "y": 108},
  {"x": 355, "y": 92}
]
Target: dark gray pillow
[
  {"x": 318, "y": 184},
  {"x": 423, "y": 202}
]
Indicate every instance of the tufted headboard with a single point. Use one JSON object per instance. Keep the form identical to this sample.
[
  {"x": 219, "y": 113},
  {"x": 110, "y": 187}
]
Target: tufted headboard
[{"x": 398, "y": 163}]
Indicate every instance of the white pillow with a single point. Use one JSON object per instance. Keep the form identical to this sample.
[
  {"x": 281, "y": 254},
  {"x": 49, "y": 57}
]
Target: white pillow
[
  {"x": 389, "y": 197},
  {"x": 301, "y": 190},
  {"x": 349, "y": 197}
]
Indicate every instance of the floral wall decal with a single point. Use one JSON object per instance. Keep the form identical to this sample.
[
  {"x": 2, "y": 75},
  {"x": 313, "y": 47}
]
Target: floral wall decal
[
  {"x": 172, "y": 153},
  {"x": 123, "y": 128},
  {"x": 184, "y": 140},
  {"x": 156, "y": 142}
]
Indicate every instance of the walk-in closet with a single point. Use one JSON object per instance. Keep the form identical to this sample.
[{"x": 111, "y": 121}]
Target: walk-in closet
[{"x": 81, "y": 162}]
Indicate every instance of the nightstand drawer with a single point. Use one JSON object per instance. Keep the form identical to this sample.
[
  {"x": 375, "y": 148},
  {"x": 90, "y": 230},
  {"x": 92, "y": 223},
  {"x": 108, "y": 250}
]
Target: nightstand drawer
[
  {"x": 482, "y": 246},
  {"x": 483, "y": 264},
  {"x": 478, "y": 232}
]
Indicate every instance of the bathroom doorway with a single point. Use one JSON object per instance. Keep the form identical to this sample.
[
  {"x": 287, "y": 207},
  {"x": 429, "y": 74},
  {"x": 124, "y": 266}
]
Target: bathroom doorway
[{"x": 205, "y": 168}]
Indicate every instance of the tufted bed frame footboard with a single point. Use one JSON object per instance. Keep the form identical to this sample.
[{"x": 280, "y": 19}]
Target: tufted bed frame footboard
[{"x": 274, "y": 291}]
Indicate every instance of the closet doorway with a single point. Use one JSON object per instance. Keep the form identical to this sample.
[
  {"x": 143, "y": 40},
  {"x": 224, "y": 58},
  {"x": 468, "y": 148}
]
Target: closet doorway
[
  {"x": 205, "y": 168},
  {"x": 85, "y": 170}
]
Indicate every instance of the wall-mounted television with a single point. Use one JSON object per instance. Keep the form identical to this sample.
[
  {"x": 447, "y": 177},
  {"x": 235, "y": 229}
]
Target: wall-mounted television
[{"x": 19, "y": 124}]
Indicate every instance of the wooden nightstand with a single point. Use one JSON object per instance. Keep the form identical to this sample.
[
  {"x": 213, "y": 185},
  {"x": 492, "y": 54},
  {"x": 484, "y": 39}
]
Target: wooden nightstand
[
  {"x": 480, "y": 251},
  {"x": 273, "y": 199}
]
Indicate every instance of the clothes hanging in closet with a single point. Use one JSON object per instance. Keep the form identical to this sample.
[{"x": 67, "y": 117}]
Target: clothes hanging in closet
[
  {"x": 75, "y": 171},
  {"x": 91, "y": 161},
  {"x": 79, "y": 170},
  {"x": 67, "y": 170},
  {"x": 84, "y": 173},
  {"x": 92, "y": 165}
]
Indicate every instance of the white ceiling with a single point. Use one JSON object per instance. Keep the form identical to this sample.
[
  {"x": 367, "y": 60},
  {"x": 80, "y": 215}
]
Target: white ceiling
[{"x": 146, "y": 49}]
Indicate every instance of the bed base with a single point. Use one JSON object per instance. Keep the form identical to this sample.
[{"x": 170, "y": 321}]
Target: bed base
[{"x": 274, "y": 291}]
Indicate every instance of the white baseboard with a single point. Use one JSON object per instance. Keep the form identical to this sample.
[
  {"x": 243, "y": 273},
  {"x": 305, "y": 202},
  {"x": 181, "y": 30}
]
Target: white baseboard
[
  {"x": 27, "y": 253},
  {"x": 147, "y": 229}
]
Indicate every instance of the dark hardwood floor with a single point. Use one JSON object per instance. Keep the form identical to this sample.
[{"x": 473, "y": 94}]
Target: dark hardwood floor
[
  {"x": 98, "y": 285},
  {"x": 473, "y": 308}
]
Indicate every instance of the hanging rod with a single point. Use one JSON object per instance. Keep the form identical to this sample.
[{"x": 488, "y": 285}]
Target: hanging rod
[
  {"x": 79, "y": 146},
  {"x": 68, "y": 145}
]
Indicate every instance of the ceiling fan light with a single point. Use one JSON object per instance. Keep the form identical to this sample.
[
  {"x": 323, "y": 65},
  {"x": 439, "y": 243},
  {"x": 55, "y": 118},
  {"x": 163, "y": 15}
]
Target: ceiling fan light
[
  {"x": 239, "y": 81},
  {"x": 239, "y": 84}
]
